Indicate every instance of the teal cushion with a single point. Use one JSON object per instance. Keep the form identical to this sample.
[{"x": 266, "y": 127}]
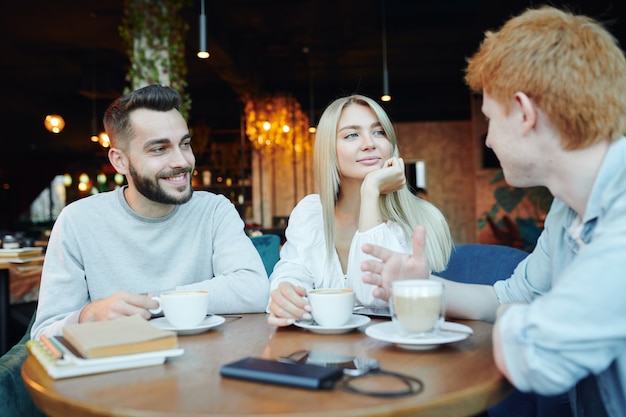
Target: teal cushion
[{"x": 268, "y": 247}]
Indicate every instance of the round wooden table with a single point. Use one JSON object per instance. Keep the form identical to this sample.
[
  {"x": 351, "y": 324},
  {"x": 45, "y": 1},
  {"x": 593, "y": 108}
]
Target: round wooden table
[{"x": 460, "y": 379}]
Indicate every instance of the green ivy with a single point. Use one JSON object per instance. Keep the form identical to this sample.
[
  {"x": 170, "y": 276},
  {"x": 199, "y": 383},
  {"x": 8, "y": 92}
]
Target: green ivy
[{"x": 154, "y": 34}]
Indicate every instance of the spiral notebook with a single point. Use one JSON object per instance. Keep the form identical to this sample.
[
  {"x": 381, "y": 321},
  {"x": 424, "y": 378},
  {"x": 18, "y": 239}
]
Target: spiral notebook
[{"x": 60, "y": 362}]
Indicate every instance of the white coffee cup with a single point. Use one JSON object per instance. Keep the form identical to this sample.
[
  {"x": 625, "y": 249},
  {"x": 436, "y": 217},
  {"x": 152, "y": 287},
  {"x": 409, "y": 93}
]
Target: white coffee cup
[
  {"x": 183, "y": 309},
  {"x": 331, "y": 307},
  {"x": 417, "y": 306}
]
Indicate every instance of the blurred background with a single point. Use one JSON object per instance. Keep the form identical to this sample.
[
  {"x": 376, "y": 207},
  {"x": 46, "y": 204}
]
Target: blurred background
[{"x": 69, "y": 58}]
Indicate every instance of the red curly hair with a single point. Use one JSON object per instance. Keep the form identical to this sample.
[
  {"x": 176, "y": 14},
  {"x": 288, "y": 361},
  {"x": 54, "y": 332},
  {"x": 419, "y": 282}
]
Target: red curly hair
[{"x": 569, "y": 65}]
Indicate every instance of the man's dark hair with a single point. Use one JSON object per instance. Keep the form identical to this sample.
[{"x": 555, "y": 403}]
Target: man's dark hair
[{"x": 117, "y": 116}]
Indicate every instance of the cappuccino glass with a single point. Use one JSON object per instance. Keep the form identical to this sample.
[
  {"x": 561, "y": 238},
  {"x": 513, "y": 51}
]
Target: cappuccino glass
[
  {"x": 417, "y": 306},
  {"x": 183, "y": 309},
  {"x": 331, "y": 307}
]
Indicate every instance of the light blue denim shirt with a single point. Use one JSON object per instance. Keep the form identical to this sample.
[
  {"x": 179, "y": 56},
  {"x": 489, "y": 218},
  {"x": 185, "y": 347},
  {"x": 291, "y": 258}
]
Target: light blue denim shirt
[{"x": 574, "y": 322}]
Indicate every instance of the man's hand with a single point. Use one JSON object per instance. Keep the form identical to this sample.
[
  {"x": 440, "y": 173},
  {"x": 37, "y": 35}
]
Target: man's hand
[
  {"x": 288, "y": 304},
  {"x": 120, "y": 304},
  {"x": 393, "y": 265}
]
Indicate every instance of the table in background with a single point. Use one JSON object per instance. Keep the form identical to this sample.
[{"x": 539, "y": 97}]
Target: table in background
[
  {"x": 460, "y": 379},
  {"x": 5, "y": 300}
]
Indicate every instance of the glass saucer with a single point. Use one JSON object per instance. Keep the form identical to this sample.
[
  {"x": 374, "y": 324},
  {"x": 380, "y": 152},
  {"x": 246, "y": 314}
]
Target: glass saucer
[{"x": 449, "y": 333}]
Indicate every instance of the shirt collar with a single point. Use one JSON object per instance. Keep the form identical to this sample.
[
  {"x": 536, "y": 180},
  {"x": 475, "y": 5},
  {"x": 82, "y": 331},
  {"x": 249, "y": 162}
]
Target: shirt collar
[{"x": 610, "y": 170}]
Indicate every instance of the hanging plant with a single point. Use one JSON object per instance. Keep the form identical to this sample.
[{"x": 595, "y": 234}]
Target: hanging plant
[{"x": 154, "y": 33}]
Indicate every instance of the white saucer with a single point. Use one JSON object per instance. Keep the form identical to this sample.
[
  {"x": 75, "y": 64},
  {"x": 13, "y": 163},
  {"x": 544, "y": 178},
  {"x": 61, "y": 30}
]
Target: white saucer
[
  {"x": 206, "y": 324},
  {"x": 357, "y": 320},
  {"x": 450, "y": 332}
]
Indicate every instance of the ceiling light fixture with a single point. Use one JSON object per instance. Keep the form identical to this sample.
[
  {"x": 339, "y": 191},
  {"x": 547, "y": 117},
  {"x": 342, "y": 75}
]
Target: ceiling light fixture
[
  {"x": 385, "y": 96},
  {"x": 54, "y": 123},
  {"x": 202, "y": 50},
  {"x": 276, "y": 121},
  {"x": 312, "y": 126},
  {"x": 94, "y": 120},
  {"x": 104, "y": 140}
]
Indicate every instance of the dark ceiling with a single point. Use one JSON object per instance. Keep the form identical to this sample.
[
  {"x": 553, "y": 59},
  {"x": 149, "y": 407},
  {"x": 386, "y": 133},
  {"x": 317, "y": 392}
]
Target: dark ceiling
[{"x": 63, "y": 56}]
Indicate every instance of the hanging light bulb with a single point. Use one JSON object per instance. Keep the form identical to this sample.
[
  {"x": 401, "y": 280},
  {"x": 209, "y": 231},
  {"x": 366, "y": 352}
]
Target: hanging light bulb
[
  {"x": 104, "y": 140},
  {"x": 202, "y": 49},
  {"x": 54, "y": 123},
  {"x": 385, "y": 96},
  {"x": 67, "y": 180},
  {"x": 94, "y": 119},
  {"x": 312, "y": 127},
  {"x": 83, "y": 182}
]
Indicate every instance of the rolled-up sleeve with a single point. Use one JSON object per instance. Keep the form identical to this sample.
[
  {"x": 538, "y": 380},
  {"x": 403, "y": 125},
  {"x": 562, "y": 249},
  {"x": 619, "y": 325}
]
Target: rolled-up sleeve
[{"x": 570, "y": 316}]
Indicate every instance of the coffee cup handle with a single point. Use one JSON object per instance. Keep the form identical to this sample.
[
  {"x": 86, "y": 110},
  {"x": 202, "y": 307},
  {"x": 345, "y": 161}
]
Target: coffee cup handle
[{"x": 157, "y": 310}]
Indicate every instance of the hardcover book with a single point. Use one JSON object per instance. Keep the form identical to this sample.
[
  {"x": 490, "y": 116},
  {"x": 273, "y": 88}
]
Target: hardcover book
[{"x": 123, "y": 336}]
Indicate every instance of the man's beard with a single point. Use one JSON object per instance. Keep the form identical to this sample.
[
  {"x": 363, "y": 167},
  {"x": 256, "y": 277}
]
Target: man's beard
[{"x": 151, "y": 189}]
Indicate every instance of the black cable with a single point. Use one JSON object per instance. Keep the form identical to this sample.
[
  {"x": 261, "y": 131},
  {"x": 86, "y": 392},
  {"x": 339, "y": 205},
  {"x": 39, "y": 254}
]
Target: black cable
[{"x": 414, "y": 385}]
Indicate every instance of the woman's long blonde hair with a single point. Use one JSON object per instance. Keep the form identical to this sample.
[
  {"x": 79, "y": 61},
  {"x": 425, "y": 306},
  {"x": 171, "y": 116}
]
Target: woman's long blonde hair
[{"x": 400, "y": 206}]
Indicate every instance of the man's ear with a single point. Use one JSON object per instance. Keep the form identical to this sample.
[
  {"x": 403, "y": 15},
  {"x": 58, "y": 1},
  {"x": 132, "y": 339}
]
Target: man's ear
[
  {"x": 119, "y": 160},
  {"x": 528, "y": 112}
]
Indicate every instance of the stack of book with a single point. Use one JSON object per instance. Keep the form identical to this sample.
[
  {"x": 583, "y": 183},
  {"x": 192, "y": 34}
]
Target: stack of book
[
  {"x": 20, "y": 254},
  {"x": 103, "y": 346}
]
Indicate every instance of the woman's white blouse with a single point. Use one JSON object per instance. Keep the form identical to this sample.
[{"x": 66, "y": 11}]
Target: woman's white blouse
[{"x": 304, "y": 261}]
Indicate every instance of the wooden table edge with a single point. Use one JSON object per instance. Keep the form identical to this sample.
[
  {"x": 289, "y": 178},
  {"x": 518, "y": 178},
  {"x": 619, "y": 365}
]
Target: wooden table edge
[{"x": 459, "y": 403}]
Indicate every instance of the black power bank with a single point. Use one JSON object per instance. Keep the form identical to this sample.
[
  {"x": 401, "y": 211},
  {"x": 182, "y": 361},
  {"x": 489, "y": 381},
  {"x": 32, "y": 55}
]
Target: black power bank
[{"x": 283, "y": 373}]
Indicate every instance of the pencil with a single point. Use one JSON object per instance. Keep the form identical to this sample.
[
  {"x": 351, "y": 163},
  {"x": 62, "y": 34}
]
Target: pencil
[
  {"x": 59, "y": 345},
  {"x": 51, "y": 347}
]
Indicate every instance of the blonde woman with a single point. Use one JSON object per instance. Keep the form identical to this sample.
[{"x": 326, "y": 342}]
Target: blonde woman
[{"x": 363, "y": 198}]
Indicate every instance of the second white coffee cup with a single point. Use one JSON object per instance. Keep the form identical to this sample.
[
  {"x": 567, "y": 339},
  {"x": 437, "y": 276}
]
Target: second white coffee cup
[
  {"x": 183, "y": 309},
  {"x": 331, "y": 306}
]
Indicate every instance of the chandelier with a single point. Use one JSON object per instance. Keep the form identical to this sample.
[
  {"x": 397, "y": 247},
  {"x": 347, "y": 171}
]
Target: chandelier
[{"x": 277, "y": 121}]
